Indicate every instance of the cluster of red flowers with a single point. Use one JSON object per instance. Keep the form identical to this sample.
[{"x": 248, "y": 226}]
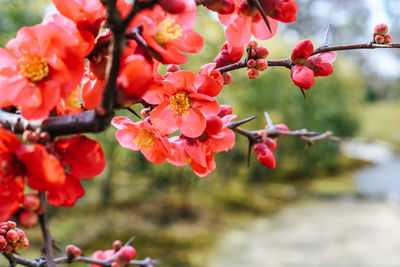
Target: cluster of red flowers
[
  {"x": 306, "y": 66},
  {"x": 55, "y": 168},
  {"x": 59, "y": 67},
  {"x": 120, "y": 255}
]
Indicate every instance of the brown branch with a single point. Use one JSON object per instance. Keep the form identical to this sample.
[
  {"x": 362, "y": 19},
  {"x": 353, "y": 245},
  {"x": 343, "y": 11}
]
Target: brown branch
[
  {"x": 48, "y": 239},
  {"x": 354, "y": 47},
  {"x": 106, "y": 263},
  {"x": 15, "y": 259},
  {"x": 243, "y": 64}
]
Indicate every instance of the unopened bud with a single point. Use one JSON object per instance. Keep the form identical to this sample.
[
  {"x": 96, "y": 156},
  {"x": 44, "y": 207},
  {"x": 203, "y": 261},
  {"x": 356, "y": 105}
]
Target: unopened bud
[
  {"x": 252, "y": 45},
  {"x": 388, "y": 39},
  {"x": 28, "y": 219},
  {"x": 252, "y": 73},
  {"x": 225, "y": 110},
  {"x": 11, "y": 225},
  {"x": 117, "y": 245},
  {"x": 12, "y": 236},
  {"x": 227, "y": 77},
  {"x": 381, "y": 29},
  {"x": 31, "y": 202},
  {"x": 271, "y": 143},
  {"x": 172, "y": 68},
  {"x": 125, "y": 255},
  {"x": 379, "y": 39},
  {"x": 251, "y": 63},
  {"x": 173, "y": 6},
  {"x": 262, "y": 52},
  {"x": 262, "y": 64}
]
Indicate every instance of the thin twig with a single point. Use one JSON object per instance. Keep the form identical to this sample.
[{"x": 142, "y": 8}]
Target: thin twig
[{"x": 47, "y": 238}]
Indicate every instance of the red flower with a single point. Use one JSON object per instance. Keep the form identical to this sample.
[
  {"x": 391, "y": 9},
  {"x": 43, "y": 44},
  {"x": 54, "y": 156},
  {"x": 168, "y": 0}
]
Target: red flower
[
  {"x": 142, "y": 136},
  {"x": 265, "y": 155},
  {"x": 302, "y": 76},
  {"x": 245, "y": 22},
  {"x": 169, "y": 34},
  {"x": 302, "y": 51},
  {"x": 88, "y": 15},
  {"x": 82, "y": 158},
  {"x": 282, "y": 10},
  {"x": 321, "y": 64},
  {"x": 180, "y": 103},
  {"x": 43, "y": 64},
  {"x": 92, "y": 90},
  {"x": 307, "y": 67},
  {"x": 11, "y": 175},
  {"x": 229, "y": 54},
  {"x": 199, "y": 153}
]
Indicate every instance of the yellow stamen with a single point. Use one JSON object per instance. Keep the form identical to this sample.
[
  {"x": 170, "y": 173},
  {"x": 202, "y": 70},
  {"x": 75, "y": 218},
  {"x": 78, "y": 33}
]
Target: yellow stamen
[
  {"x": 34, "y": 68},
  {"x": 73, "y": 100},
  {"x": 180, "y": 103},
  {"x": 144, "y": 140},
  {"x": 167, "y": 31}
]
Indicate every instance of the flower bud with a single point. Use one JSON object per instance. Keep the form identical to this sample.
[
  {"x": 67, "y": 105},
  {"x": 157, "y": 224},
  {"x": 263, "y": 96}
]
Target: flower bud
[
  {"x": 379, "y": 39},
  {"x": 3, "y": 242},
  {"x": 262, "y": 64},
  {"x": 12, "y": 236},
  {"x": 262, "y": 52},
  {"x": 388, "y": 39},
  {"x": 252, "y": 45},
  {"x": 28, "y": 219},
  {"x": 281, "y": 127},
  {"x": 227, "y": 77},
  {"x": 214, "y": 125},
  {"x": 73, "y": 251},
  {"x": 221, "y": 6},
  {"x": 302, "y": 51},
  {"x": 173, "y": 68},
  {"x": 381, "y": 29},
  {"x": 31, "y": 202},
  {"x": 11, "y": 225},
  {"x": 25, "y": 243},
  {"x": 173, "y": 6},
  {"x": 262, "y": 133},
  {"x": 125, "y": 255},
  {"x": 225, "y": 110},
  {"x": 251, "y": 63},
  {"x": 252, "y": 73},
  {"x": 271, "y": 143},
  {"x": 265, "y": 155},
  {"x": 117, "y": 245}
]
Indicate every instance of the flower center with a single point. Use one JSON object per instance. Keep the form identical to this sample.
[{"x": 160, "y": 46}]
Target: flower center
[
  {"x": 34, "y": 68},
  {"x": 167, "y": 31},
  {"x": 73, "y": 100},
  {"x": 144, "y": 140},
  {"x": 180, "y": 103}
]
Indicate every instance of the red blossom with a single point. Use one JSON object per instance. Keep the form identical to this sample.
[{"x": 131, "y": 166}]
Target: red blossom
[
  {"x": 168, "y": 34},
  {"x": 245, "y": 22},
  {"x": 229, "y": 54},
  {"x": 282, "y": 10},
  {"x": 42, "y": 65},
  {"x": 265, "y": 155},
  {"x": 142, "y": 136},
  {"x": 302, "y": 76},
  {"x": 182, "y": 103}
]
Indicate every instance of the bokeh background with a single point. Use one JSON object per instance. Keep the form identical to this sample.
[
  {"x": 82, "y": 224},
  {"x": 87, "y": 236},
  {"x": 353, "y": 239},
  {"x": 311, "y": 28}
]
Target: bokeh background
[{"x": 334, "y": 205}]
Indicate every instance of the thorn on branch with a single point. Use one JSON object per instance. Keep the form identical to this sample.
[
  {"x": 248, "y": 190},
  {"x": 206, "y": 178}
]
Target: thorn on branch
[
  {"x": 326, "y": 37},
  {"x": 235, "y": 124},
  {"x": 263, "y": 14},
  {"x": 131, "y": 110}
]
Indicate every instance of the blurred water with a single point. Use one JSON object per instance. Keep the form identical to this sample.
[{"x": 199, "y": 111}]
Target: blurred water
[{"x": 345, "y": 231}]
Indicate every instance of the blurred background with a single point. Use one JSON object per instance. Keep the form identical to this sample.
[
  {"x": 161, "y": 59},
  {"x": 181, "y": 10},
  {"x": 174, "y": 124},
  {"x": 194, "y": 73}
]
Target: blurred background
[{"x": 336, "y": 205}]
